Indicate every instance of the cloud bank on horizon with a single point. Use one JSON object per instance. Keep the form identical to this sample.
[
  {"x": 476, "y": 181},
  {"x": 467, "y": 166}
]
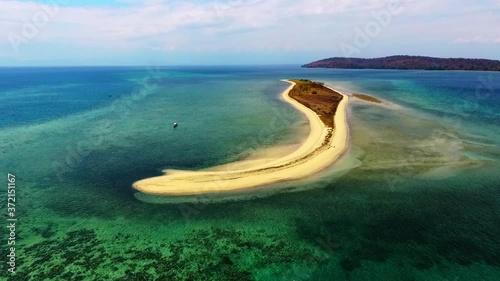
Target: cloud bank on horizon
[{"x": 63, "y": 32}]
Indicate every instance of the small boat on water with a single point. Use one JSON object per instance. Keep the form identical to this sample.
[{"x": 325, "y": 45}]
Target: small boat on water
[{"x": 175, "y": 124}]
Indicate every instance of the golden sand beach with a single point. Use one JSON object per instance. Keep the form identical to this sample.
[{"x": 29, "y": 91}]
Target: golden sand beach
[{"x": 321, "y": 148}]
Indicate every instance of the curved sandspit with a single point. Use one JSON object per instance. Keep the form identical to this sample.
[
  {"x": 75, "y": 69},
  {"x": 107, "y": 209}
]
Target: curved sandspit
[{"x": 313, "y": 156}]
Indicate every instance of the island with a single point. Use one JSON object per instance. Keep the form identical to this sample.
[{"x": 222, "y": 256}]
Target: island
[
  {"x": 366, "y": 98},
  {"x": 325, "y": 110},
  {"x": 407, "y": 63}
]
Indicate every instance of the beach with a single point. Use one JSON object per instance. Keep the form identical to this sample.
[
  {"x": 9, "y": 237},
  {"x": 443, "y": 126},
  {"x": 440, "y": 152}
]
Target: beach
[{"x": 321, "y": 148}]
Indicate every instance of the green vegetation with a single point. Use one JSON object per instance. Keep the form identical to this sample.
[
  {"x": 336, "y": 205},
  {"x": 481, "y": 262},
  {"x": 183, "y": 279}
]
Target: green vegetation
[
  {"x": 367, "y": 98},
  {"x": 408, "y": 62}
]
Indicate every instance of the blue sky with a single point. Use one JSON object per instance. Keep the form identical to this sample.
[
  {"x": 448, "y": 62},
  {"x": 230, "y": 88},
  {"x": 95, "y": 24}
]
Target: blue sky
[{"x": 228, "y": 32}]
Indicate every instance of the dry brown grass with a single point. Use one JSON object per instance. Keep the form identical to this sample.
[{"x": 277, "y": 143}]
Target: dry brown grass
[{"x": 317, "y": 97}]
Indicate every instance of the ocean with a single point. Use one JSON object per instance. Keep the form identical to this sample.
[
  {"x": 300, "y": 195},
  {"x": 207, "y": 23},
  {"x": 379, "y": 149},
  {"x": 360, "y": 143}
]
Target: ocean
[{"x": 415, "y": 197}]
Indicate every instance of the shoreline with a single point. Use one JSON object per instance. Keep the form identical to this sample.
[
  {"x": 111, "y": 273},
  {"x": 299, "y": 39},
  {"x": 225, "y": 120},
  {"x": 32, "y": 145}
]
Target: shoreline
[{"x": 314, "y": 155}]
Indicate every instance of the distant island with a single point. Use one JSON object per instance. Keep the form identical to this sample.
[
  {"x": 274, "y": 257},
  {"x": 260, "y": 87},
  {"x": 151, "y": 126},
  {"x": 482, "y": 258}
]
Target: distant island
[{"x": 408, "y": 62}]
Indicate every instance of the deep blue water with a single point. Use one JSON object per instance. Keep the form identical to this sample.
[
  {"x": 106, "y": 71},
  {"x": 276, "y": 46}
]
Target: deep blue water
[{"x": 49, "y": 93}]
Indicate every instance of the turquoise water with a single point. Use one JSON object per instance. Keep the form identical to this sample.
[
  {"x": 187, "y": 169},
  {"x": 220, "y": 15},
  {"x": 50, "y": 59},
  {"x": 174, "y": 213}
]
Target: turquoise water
[{"x": 416, "y": 197}]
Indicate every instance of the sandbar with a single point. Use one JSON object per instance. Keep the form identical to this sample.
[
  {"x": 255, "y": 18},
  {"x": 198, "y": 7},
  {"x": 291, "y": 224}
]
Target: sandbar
[{"x": 322, "y": 147}]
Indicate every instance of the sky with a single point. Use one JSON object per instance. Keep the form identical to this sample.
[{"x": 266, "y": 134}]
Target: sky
[{"x": 241, "y": 32}]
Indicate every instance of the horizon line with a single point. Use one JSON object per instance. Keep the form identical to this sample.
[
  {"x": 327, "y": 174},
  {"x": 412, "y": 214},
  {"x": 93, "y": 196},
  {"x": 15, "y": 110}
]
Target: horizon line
[{"x": 149, "y": 65}]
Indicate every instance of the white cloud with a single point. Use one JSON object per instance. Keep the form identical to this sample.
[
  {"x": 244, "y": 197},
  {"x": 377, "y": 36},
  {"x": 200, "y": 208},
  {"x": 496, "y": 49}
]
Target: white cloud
[
  {"x": 156, "y": 17},
  {"x": 242, "y": 24}
]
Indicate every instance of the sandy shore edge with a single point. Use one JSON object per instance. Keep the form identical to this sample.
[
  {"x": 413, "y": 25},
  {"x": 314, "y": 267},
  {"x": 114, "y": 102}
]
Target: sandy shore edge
[{"x": 311, "y": 157}]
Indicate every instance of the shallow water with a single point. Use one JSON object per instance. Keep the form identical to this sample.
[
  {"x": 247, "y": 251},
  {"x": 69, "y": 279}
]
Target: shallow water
[{"x": 416, "y": 197}]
